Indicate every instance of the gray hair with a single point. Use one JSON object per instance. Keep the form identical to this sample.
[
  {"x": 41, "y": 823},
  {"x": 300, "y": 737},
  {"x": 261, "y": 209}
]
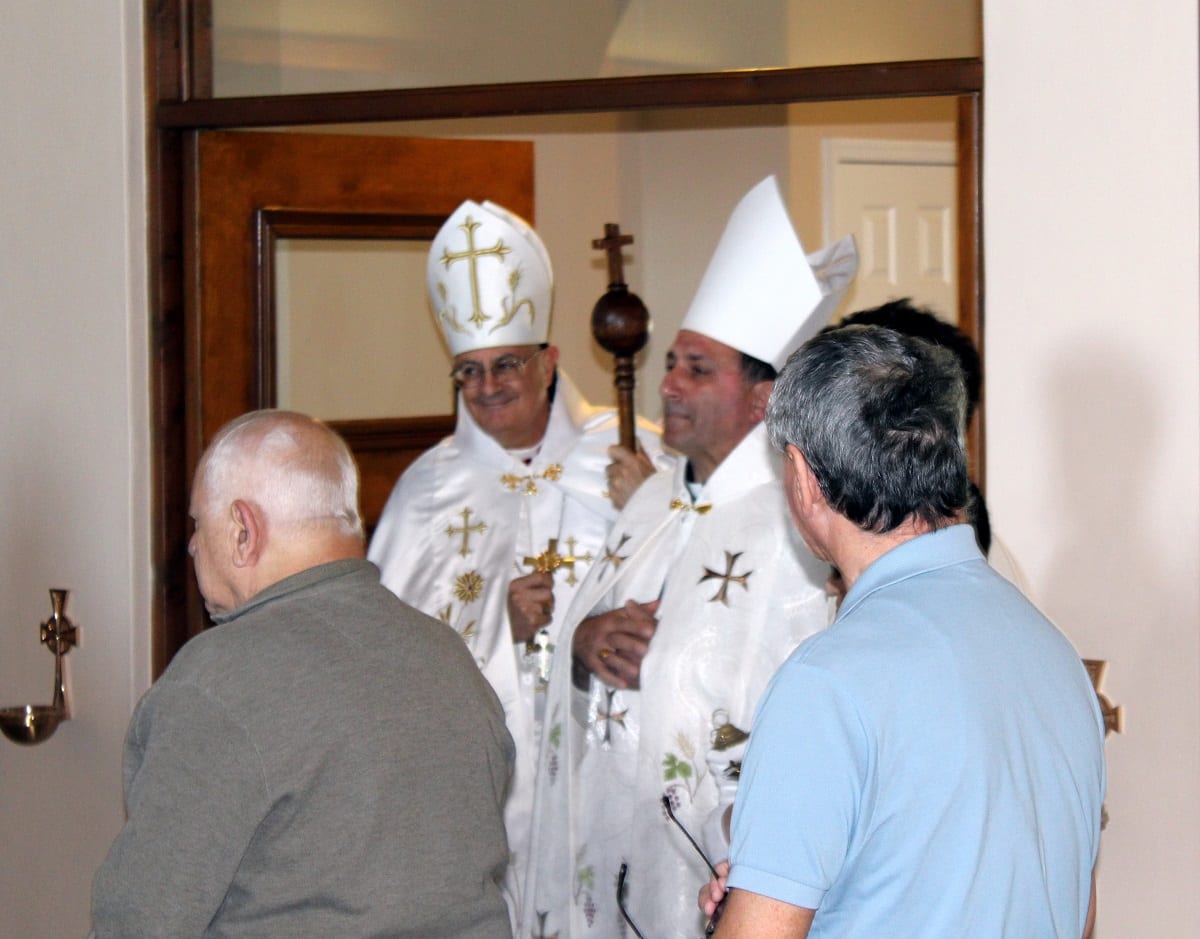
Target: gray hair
[
  {"x": 879, "y": 417},
  {"x": 291, "y": 465}
]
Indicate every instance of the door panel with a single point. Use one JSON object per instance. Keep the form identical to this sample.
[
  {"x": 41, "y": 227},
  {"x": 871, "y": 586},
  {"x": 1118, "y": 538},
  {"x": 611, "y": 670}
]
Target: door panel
[
  {"x": 899, "y": 199},
  {"x": 246, "y": 190}
]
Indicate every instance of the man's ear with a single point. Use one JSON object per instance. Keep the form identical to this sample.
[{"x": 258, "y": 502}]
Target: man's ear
[
  {"x": 248, "y": 534},
  {"x": 760, "y": 394},
  {"x": 549, "y": 359},
  {"x": 804, "y": 483}
]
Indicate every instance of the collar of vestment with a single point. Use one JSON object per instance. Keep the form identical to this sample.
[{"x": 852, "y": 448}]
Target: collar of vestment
[
  {"x": 752, "y": 462},
  {"x": 301, "y": 581},
  {"x": 568, "y": 414},
  {"x": 930, "y": 551}
]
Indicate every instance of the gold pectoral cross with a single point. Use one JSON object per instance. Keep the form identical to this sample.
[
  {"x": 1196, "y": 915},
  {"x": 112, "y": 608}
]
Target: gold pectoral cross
[
  {"x": 726, "y": 579},
  {"x": 550, "y": 560}
]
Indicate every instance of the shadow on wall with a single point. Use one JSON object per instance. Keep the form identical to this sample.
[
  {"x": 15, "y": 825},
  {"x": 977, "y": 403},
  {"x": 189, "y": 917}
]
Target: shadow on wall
[{"x": 1105, "y": 577}]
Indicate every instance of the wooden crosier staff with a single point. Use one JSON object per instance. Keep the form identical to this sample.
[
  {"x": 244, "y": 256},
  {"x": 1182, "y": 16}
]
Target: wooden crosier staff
[{"x": 621, "y": 325}]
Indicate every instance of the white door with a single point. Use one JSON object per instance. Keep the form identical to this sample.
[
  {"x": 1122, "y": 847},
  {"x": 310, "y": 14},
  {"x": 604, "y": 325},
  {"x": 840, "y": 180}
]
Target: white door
[{"x": 897, "y": 197}]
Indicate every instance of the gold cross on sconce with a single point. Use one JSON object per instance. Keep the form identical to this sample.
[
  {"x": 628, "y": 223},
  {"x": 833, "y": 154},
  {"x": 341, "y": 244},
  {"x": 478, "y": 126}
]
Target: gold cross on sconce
[
  {"x": 550, "y": 560},
  {"x": 726, "y": 579},
  {"x": 466, "y": 531}
]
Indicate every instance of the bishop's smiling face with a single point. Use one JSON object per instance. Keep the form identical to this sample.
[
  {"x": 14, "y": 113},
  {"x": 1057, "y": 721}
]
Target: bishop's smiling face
[{"x": 507, "y": 391}]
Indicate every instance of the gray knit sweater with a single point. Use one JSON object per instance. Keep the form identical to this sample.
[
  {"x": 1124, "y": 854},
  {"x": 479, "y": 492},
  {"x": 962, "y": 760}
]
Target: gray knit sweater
[{"x": 325, "y": 762}]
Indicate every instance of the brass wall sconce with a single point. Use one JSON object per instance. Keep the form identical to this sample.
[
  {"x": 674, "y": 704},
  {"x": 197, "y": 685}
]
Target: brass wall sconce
[{"x": 34, "y": 723}]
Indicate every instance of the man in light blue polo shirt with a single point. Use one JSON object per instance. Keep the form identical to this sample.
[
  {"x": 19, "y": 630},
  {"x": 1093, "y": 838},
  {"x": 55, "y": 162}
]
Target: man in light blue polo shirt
[{"x": 932, "y": 764}]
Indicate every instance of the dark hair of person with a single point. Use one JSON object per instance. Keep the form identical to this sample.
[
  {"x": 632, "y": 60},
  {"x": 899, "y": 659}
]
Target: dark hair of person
[
  {"x": 906, "y": 317},
  {"x": 879, "y": 417},
  {"x": 756, "y": 370},
  {"x": 977, "y": 518}
]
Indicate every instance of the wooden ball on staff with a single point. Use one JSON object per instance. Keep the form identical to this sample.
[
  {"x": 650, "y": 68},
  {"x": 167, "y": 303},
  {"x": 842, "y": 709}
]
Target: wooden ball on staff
[{"x": 621, "y": 325}]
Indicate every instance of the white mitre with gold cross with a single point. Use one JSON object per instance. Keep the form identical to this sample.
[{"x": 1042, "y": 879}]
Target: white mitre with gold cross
[
  {"x": 489, "y": 279},
  {"x": 761, "y": 294}
]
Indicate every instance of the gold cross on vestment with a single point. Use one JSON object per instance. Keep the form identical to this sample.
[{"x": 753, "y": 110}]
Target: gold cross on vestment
[
  {"x": 466, "y": 531},
  {"x": 702, "y": 509},
  {"x": 726, "y": 579},
  {"x": 585, "y": 558},
  {"x": 498, "y": 250},
  {"x": 550, "y": 560},
  {"x": 611, "y": 557}
]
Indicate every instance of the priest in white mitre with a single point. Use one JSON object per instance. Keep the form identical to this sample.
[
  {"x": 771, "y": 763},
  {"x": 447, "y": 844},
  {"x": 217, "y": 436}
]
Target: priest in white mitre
[
  {"x": 494, "y": 529},
  {"x": 700, "y": 591}
]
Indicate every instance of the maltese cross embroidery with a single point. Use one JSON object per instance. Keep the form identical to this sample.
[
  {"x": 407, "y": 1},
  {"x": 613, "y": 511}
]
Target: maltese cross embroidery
[{"x": 729, "y": 577}]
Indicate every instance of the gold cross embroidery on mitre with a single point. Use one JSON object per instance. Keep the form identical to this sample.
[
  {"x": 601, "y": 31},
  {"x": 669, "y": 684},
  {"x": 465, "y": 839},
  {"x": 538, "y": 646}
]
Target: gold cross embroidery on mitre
[
  {"x": 466, "y": 531},
  {"x": 471, "y": 255},
  {"x": 528, "y": 484},
  {"x": 726, "y": 579},
  {"x": 678, "y": 505}
]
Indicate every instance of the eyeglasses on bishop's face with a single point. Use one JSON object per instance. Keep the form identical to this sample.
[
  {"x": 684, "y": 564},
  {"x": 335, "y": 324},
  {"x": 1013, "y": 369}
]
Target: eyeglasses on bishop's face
[{"x": 508, "y": 368}]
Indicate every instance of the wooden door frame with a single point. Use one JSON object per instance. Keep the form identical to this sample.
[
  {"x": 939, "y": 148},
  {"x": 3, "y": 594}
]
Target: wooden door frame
[
  {"x": 247, "y": 189},
  {"x": 179, "y": 103}
]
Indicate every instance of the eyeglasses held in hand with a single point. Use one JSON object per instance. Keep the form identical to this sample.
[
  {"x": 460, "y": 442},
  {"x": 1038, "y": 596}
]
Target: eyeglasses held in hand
[
  {"x": 621, "y": 900},
  {"x": 621, "y": 876},
  {"x": 508, "y": 368}
]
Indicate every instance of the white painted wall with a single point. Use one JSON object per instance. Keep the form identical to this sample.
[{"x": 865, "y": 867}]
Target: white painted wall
[
  {"x": 1090, "y": 233},
  {"x": 74, "y": 499}
]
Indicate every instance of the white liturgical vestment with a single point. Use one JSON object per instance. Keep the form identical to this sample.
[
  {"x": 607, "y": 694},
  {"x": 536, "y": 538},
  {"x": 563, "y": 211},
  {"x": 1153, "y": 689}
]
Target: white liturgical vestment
[
  {"x": 738, "y": 592},
  {"x": 466, "y": 518}
]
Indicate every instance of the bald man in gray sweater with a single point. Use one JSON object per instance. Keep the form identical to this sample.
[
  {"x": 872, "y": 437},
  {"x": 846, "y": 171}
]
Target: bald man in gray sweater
[{"x": 325, "y": 761}]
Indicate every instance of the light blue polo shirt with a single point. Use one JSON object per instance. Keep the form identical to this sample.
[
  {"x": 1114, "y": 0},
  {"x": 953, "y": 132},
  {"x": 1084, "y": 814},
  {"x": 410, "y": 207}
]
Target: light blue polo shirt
[{"x": 930, "y": 765}]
